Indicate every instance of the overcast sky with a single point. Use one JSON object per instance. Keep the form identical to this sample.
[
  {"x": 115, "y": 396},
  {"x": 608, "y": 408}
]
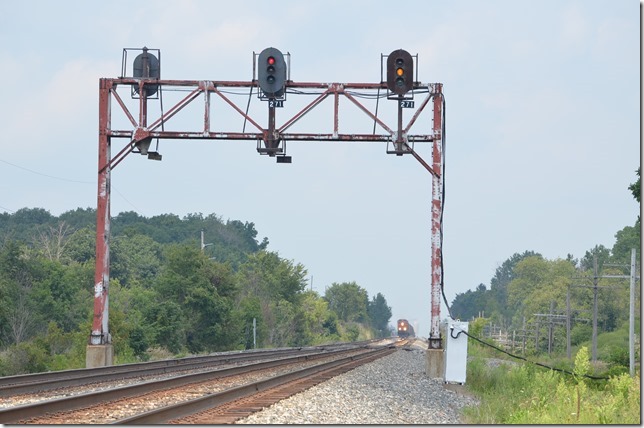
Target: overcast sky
[{"x": 542, "y": 115}]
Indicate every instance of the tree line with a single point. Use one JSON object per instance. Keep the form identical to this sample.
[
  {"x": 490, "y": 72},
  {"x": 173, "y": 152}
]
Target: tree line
[
  {"x": 528, "y": 284},
  {"x": 168, "y": 296}
]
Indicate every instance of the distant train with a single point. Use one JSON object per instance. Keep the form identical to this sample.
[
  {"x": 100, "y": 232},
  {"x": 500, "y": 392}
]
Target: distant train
[{"x": 405, "y": 329}]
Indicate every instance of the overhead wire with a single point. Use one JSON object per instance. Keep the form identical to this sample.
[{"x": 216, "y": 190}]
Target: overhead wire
[{"x": 64, "y": 179}]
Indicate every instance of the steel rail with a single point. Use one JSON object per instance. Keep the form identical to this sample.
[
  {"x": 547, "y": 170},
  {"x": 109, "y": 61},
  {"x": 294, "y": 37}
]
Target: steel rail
[
  {"x": 67, "y": 378},
  {"x": 72, "y": 373},
  {"x": 28, "y": 411},
  {"x": 8, "y": 383},
  {"x": 188, "y": 408}
]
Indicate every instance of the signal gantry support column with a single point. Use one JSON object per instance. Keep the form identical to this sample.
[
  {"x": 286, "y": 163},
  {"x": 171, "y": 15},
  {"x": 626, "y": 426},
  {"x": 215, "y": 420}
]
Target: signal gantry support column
[
  {"x": 100, "y": 352},
  {"x": 435, "y": 361}
]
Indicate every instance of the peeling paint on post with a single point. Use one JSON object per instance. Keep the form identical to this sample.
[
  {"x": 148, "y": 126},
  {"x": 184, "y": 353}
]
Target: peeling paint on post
[
  {"x": 100, "y": 329},
  {"x": 435, "y": 340}
]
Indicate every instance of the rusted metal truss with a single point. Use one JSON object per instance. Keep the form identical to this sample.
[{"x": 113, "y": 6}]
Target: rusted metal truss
[
  {"x": 270, "y": 140},
  {"x": 271, "y": 135}
]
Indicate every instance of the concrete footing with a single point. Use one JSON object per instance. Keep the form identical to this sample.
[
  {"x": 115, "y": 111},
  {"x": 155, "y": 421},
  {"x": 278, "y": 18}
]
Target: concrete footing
[
  {"x": 435, "y": 363},
  {"x": 99, "y": 356}
]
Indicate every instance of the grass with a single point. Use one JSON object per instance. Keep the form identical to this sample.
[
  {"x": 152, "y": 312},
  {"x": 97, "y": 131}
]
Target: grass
[{"x": 527, "y": 394}]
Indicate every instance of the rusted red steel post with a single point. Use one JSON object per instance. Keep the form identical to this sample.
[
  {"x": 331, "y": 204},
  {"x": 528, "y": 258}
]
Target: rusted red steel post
[
  {"x": 435, "y": 341},
  {"x": 100, "y": 332}
]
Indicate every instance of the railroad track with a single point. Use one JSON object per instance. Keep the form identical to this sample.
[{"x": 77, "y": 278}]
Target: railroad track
[
  {"x": 228, "y": 406},
  {"x": 38, "y": 382},
  {"x": 209, "y": 380}
]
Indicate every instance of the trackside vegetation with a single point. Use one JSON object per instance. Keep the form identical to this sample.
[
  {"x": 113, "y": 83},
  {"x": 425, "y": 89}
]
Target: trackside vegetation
[
  {"x": 584, "y": 390},
  {"x": 528, "y": 394},
  {"x": 169, "y": 297}
]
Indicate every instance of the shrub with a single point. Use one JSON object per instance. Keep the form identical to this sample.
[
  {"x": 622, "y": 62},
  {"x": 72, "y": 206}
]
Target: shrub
[
  {"x": 531, "y": 395},
  {"x": 25, "y": 357}
]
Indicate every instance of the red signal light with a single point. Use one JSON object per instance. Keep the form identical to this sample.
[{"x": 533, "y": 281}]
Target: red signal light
[{"x": 271, "y": 74}]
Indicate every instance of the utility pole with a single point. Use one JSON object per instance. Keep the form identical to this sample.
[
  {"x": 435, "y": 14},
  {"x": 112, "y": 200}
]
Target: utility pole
[
  {"x": 568, "y": 351},
  {"x": 631, "y": 318},
  {"x": 203, "y": 246},
  {"x": 595, "y": 282},
  {"x": 596, "y": 277},
  {"x": 552, "y": 319}
]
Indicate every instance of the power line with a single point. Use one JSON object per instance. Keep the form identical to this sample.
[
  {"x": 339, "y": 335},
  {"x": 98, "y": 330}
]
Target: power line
[
  {"x": 44, "y": 175},
  {"x": 62, "y": 179}
]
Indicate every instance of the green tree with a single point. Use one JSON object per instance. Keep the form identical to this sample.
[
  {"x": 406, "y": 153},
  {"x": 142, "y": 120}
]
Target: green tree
[
  {"x": 19, "y": 320},
  {"x": 379, "y": 314},
  {"x": 471, "y": 304},
  {"x": 317, "y": 318},
  {"x": 539, "y": 282},
  {"x": 169, "y": 325},
  {"x": 79, "y": 218},
  {"x": 348, "y": 300},
  {"x": 57, "y": 290},
  {"x": 602, "y": 253},
  {"x": 504, "y": 274},
  {"x": 267, "y": 275},
  {"x": 278, "y": 285},
  {"x": 635, "y": 188},
  {"x": 249, "y": 308},
  {"x": 20, "y": 225},
  {"x": 204, "y": 290},
  {"x": 135, "y": 259},
  {"x": 81, "y": 245},
  {"x": 626, "y": 239}
]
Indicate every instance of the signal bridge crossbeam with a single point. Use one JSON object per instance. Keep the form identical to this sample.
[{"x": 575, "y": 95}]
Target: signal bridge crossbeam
[{"x": 142, "y": 131}]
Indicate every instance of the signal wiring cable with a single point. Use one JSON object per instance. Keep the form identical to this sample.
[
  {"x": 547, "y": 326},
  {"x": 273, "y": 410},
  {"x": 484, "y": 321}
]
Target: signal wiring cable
[
  {"x": 442, "y": 273},
  {"x": 376, "y": 115},
  {"x": 250, "y": 95}
]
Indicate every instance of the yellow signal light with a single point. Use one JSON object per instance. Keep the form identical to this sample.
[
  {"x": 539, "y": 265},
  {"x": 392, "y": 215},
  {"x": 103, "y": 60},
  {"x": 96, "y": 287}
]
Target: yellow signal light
[{"x": 400, "y": 71}]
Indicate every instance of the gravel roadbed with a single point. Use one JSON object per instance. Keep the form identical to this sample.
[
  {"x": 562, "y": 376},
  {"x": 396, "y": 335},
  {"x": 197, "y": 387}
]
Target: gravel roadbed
[{"x": 391, "y": 390}]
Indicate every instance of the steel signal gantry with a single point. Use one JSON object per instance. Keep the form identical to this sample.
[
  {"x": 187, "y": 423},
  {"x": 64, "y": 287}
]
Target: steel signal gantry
[{"x": 142, "y": 129}]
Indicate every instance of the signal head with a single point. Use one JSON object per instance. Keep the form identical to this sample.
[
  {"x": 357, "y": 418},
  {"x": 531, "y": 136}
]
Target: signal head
[
  {"x": 146, "y": 66},
  {"x": 400, "y": 72},
  {"x": 271, "y": 74}
]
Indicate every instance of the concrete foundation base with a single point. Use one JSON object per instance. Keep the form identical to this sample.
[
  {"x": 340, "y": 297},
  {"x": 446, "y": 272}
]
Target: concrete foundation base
[
  {"x": 435, "y": 363},
  {"x": 99, "y": 356}
]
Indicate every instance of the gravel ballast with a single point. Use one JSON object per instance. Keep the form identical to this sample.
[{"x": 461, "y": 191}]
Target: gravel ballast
[{"x": 391, "y": 390}]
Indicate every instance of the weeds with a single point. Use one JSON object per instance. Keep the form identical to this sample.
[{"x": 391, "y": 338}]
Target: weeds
[{"x": 530, "y": 395}]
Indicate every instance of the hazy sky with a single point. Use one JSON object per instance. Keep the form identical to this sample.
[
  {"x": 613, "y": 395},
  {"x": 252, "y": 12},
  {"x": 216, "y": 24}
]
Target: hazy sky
[{"x": 542, "y": 115}]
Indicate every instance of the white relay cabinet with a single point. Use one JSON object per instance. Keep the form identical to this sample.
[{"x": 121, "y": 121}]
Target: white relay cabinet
[{"x": 455, "y": 351}]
